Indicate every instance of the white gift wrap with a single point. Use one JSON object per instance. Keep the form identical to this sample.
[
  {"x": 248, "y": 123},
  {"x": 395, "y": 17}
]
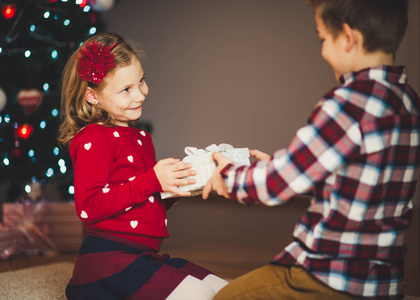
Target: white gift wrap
[{"x": 205, "y": 166}]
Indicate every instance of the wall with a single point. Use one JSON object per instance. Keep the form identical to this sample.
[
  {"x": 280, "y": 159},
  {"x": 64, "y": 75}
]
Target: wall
[{"x": 244, "y": 72}]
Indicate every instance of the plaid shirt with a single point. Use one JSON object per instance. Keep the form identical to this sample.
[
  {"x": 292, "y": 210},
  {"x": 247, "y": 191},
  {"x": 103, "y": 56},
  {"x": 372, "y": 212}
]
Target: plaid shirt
[{"x": 358, "y": 155}]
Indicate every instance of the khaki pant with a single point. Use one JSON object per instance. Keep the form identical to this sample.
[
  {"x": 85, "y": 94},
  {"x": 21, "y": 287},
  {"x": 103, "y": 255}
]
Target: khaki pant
[{"x": 279, "y": 282}]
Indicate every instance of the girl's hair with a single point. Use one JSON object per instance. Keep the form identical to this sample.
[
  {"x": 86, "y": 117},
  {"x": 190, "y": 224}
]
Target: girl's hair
[
  {"x": 382, "y": 22},
  {"x": 76, "y": 112}
]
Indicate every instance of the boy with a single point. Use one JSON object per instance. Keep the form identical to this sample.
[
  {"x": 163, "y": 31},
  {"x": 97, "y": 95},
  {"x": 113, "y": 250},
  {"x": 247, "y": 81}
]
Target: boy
[{"x": 358, "y": 155}]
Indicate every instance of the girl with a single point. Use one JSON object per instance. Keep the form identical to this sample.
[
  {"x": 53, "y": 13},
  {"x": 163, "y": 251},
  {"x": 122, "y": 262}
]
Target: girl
[{"x": 117, "y": 182}]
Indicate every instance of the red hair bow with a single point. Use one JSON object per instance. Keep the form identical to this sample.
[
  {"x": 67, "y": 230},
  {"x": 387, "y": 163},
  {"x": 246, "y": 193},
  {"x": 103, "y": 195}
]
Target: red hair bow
[{"x": 95, "y": 60}]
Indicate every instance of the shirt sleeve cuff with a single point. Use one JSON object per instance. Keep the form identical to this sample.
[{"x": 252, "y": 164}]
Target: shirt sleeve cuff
[
  {"x": 224, "y": 172},
  {"x": 153, "y": 184}
]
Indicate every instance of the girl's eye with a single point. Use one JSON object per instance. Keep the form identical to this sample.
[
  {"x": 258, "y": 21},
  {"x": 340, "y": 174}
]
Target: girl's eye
[
  {"x": 322, "y": 41},
  {"x": 126, "y": 90},
  {"x": 142, "y": 80}
]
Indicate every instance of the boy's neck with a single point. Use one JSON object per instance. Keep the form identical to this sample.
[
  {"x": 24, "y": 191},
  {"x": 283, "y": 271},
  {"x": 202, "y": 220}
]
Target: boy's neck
[{"x": 372, "y": 59}]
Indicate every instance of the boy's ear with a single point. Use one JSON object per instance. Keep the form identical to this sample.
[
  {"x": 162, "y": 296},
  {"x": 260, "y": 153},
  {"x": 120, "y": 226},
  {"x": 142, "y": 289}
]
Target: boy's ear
[
  {"x": 91, "y": 97},
  {"x": 353, "y": 37}
]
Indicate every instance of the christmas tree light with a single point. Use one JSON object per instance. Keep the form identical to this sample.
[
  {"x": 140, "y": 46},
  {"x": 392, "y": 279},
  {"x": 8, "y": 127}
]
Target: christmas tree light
[{"x": 8, "y": 11}]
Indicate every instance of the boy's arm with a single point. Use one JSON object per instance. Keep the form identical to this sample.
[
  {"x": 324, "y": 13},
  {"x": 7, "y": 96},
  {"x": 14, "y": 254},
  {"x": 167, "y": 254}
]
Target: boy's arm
[
  {"x": 328, "y": 140},
  {"x": 216, "y": 182}
]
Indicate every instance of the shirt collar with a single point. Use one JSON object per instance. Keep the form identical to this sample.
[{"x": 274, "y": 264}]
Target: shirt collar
[{"x": 393, "y": 74}]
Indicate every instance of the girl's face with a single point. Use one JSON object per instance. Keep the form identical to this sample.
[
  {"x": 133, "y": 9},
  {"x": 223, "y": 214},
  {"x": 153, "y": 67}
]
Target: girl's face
[{"x": 124, "y": 93}]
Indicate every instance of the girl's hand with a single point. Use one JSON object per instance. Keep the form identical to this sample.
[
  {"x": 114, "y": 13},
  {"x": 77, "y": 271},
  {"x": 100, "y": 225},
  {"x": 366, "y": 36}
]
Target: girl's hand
[
  {"x": 259, "y": 155},
  {"x": 171, "y": 174}
]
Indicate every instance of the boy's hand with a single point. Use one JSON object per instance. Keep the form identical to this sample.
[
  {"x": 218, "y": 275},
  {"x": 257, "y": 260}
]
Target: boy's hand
[
  {"x": 171, "y": 174},
  {"x": 259, "y": 154},
  {"x": 216, "y": 182}
]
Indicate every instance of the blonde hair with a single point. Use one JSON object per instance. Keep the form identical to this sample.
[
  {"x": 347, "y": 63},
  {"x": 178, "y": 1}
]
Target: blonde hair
[{"x": 76, "y": 112}]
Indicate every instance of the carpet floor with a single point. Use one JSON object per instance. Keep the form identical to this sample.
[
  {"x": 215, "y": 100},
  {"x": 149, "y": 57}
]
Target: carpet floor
[
  {"x": 41, "y": 282},
  {"x": 45, "y": 282}
]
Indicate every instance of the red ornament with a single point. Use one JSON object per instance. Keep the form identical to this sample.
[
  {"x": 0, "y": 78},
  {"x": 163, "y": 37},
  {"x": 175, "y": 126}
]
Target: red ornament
[
  {"x": 93, "y": 18},
  {"x": 83, "y": 3},
  {"x": 8, "y": 10},
  {"x": 16, "y": 152},
  {"x": 30, "y": 100},
  {"x": 25, "y": 131}
]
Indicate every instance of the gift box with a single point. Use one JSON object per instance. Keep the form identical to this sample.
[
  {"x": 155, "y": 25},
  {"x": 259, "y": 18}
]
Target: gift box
[
  {"x": 11, "y": 242},
  {"x": 65, "y": 229},
  {"x": 203, "y": 163}
]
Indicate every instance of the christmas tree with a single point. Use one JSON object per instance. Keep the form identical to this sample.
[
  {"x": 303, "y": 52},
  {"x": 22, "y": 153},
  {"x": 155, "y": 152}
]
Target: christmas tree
[{"x": 36, "y": 39}]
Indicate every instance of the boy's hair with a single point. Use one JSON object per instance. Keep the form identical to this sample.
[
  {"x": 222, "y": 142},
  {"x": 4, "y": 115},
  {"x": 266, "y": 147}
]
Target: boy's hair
[
  {"x": 381, "y": 22},
  {"x": 76, "y": 112}
]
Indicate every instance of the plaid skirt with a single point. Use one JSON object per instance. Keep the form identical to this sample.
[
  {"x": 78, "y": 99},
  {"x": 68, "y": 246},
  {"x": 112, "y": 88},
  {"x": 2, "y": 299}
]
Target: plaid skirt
[{"x": 109, "y": 269}]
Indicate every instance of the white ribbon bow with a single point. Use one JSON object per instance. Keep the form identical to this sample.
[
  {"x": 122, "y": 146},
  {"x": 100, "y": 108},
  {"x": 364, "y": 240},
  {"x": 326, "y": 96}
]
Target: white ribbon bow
[{"x": 192, "y": 151}]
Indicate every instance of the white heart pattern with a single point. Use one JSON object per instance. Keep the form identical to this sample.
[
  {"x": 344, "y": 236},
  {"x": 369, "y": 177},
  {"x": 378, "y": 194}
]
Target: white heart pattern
[
  {"x": 134, "y": 224},
  {"x": 151, "y": 199},
  {"x": 166, "y": 222},
  {"x": 88, "y": 145},
  {"x": 128, "y": 208},
  {"x": 105, "y": 190},
  {"x": 140, "y": 143},
  {"x": 132, "y": 178},
  {"x": 84, "y": 215},
  {"x": 116, "y": 134},
  {"x": 143, "y": 133},
  {"x": 130, "y": 158}
]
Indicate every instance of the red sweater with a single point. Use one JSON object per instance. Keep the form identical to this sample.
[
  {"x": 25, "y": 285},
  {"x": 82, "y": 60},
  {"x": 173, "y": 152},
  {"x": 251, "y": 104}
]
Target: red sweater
[{"x": 116, "y": 188}]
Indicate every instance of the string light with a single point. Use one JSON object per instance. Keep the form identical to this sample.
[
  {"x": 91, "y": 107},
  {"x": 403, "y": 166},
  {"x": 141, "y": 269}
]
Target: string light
[
  {"x": 46, "y": 87},
  {"x": 92, "y": 30},
  {"x": 50, "y": 172},
  {"x": 47, "y": 14},
  {"x": 54, "y": 112},
  {"x": 27, "y": 53},
  {"x": 66, "y": 22},
  {"x": 63, "y": 169},
  {"x": 25, "y": 131}
]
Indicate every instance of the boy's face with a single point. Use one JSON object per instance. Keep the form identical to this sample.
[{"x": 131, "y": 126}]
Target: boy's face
[{"x": 333, "y": 49}]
